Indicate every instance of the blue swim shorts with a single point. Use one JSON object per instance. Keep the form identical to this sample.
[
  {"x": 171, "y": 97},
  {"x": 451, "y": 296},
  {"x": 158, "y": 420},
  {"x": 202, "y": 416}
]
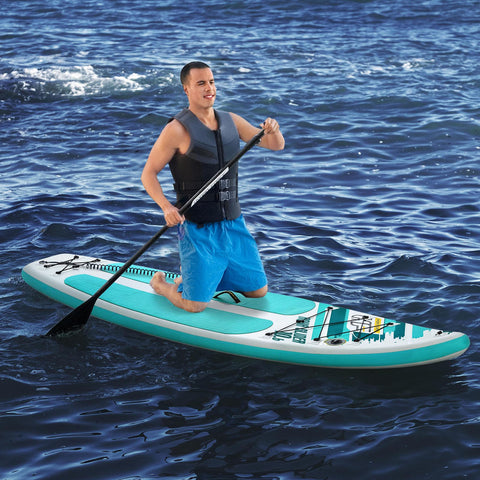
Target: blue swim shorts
[{"x": 218, "y": 256}]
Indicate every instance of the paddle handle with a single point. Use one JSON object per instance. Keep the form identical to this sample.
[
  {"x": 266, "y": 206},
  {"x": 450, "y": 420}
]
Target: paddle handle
[{"x": 194, "y": 199}]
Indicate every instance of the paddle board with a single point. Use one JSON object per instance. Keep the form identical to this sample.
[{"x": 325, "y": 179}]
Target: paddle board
[{"x": 276, "y": 327}]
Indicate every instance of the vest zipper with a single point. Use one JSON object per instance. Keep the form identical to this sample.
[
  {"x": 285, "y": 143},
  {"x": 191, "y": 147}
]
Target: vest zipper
[{"x": 221, "y": 162}]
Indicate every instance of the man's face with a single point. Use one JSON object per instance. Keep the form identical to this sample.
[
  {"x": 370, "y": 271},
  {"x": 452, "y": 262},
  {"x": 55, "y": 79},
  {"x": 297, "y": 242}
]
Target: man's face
[{"x": 200, "y": 87}]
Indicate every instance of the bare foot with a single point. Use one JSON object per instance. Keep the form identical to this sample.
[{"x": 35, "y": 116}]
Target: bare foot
[
  {"x": 159, "y": 284},
  {"x": 170, "y": 291}
]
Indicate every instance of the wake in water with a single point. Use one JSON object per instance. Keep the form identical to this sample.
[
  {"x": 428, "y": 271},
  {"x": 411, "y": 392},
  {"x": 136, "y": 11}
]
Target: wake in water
[{"x": 37, "y": 83}]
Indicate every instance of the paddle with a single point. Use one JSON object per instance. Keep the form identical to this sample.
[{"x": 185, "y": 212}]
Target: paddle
[{"x": 78, "y": 318}]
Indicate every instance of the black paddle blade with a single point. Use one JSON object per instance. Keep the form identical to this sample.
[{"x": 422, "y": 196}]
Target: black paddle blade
[{"x": 74, "y": 321}]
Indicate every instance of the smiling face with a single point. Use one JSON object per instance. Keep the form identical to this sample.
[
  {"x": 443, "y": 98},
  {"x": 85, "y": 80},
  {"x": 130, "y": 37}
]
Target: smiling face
[{"x": 200, "y": 88}]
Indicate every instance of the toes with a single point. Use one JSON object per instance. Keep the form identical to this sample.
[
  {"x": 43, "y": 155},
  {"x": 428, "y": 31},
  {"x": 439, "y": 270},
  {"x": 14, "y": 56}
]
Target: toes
[{"x": 159, "y": 277}]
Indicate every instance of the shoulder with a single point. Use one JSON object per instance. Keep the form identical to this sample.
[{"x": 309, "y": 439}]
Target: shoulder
[
  {"x": 174, "y": 127},
  {"x": 172, "y": 139},
  {"x": 174, "y": 133}
]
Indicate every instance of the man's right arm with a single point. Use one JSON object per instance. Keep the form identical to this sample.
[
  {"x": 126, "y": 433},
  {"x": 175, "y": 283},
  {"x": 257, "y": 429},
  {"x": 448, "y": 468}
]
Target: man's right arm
[{"x": 162, "y": 152}]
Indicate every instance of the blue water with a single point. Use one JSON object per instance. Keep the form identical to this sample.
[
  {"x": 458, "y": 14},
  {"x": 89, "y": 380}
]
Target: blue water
[{"x": 373, "y": 204}]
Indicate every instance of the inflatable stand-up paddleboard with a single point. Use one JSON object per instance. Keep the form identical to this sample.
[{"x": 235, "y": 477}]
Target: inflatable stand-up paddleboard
[{"x": 276, "y": 327}]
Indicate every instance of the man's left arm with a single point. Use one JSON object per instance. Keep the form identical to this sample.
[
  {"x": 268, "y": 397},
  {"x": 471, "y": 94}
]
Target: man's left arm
[{"x": 273, "y": 138}]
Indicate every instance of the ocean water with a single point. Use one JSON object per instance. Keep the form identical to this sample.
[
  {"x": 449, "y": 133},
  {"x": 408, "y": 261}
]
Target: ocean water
[{"x": 374, "y": 204}]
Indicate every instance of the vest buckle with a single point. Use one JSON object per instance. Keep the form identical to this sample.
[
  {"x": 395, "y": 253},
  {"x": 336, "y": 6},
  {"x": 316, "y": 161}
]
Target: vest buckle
[{"x": 226, "y": 195}]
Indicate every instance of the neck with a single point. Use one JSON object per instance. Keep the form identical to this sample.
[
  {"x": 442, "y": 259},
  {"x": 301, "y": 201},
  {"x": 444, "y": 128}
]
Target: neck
[{"x": 206, "y": 116}]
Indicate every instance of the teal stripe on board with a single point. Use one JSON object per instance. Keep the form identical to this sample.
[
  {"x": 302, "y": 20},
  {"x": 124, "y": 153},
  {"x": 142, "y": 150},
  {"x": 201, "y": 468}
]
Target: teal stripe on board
[
  {"x": 418, "y": 331},
  {"x": 399, "y": 330},
  {"x": 336, "y": 327}
]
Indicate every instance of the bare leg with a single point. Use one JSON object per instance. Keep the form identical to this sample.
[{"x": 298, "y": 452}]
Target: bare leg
[
  {"x": 261, "y": 292},
  {"x": 169, "y": 291}
]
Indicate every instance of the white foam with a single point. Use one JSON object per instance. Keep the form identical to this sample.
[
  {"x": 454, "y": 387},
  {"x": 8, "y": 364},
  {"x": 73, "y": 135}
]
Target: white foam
[{"x": 75, "y": 81}]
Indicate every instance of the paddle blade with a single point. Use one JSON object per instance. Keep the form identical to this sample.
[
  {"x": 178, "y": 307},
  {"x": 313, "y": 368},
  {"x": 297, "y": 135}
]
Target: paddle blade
[{"x": 74, "y": 321}]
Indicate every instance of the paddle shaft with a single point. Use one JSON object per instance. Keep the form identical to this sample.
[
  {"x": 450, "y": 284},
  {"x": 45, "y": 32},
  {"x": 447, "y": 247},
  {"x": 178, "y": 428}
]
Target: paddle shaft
[{"x": 79, "y": 317}]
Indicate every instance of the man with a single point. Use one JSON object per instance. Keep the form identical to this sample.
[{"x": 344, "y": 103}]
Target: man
[{"x": 216, "y": 250}]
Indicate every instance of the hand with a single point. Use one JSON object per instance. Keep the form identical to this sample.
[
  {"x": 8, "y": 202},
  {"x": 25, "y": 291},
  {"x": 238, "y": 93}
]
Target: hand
[
  {"x": 270, "y": 126},
  {"x": 172, "y": 216}
]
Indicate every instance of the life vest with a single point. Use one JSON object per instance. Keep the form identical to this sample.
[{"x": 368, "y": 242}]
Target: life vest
[{"x": 208, "y": 152}]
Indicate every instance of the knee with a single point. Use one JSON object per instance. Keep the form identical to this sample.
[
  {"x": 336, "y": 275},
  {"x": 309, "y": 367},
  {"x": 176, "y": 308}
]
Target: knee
[
  {"x": 195, "y": 307},
  {"x": 261, "y": 292}
]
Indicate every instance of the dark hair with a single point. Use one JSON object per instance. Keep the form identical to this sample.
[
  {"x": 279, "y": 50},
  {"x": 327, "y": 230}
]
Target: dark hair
[{"x": 190, "y": 66}]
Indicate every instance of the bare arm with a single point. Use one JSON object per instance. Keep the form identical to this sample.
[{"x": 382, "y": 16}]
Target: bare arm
[
  {"x": 169, "y": 141},
  {"x": 273, "y": 138}
]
